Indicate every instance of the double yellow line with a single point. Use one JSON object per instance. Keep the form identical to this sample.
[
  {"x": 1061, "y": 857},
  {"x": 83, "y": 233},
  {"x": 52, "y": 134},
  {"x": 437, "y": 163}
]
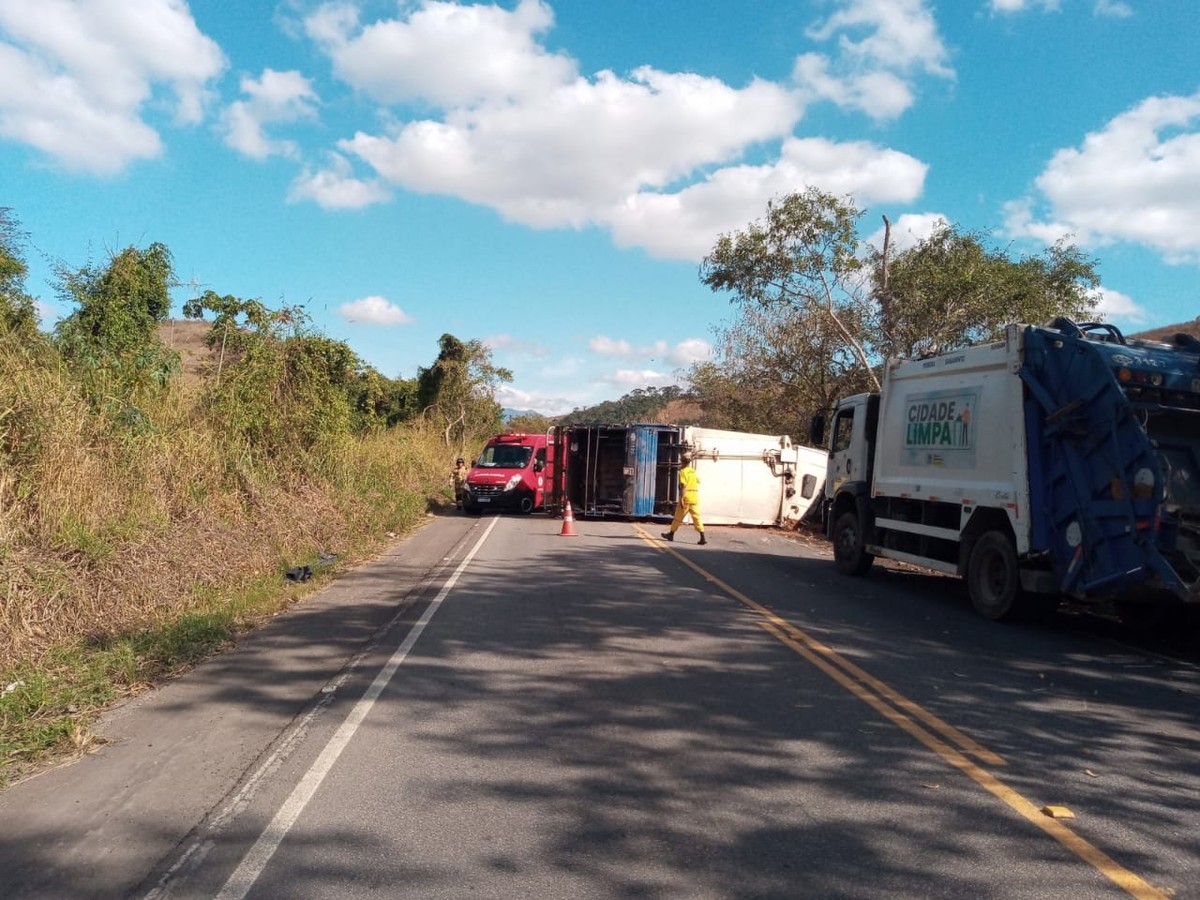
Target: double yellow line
[{"x": 954, "y": 747}]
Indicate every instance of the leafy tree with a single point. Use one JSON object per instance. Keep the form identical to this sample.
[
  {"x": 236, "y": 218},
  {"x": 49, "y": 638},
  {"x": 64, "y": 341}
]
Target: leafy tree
[
  {"x": 112, "y": 337},
  {"x": 384, "y": 402},
  {"x": 819, "y": 312},
  {"x": 773, "y": 370},
  {"x": 458, "y": 390},
  {"x": 279, "y": 387},
  {"x": 804, "y": 257},
  {"x": 17, "y": 312},
  {"x": 951, "y": 290}
]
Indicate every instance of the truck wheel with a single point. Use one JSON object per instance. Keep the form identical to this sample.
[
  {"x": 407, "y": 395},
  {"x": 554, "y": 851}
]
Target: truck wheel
[
  {"x": 993, "y": 577},
  {"x": 526, "y": 504},
  {"x": 849, "y": 554}
]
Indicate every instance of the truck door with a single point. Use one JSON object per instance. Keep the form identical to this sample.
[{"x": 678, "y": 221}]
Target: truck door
[
  {"x": 847, "y": 445},
  {"x": 641, "y": 469}
]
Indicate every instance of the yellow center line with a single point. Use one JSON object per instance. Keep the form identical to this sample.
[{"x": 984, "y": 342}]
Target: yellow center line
[
  {"x": 947, "y": 730},
  {"x": 873, "y": 692}
]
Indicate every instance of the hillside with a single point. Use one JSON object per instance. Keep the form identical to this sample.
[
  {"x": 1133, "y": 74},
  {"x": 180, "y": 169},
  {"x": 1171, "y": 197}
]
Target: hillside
[
  {"x": 186, "y": 337},
  {"x": 1167, "y": 331}
]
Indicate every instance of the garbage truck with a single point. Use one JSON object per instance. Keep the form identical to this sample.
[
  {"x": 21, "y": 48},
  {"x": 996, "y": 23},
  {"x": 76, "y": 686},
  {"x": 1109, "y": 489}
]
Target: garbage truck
[{"x": 1061, "y": 461}]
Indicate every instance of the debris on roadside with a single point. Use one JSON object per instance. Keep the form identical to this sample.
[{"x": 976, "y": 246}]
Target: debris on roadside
[
  {"x": 299, "y": 573},
  {"x": 1057, "y": 812}
]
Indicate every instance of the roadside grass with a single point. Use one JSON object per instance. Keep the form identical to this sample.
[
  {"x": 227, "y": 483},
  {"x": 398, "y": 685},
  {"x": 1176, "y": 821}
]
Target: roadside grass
[
  {"x": 48, "y": 708},
  {"x": 125, "y": 560}
]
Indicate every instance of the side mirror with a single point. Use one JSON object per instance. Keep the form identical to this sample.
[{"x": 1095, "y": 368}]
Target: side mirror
[
  {"x": 538, "y": 465},
  {"x": 816, "y": 433}
]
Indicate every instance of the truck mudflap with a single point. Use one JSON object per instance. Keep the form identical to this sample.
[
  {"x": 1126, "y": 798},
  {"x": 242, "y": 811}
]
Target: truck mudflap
[{"x": 1096, "y": 482}]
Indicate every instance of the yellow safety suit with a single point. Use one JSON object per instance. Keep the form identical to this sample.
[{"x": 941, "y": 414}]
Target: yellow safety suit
[{"x": 689, "y": 500}]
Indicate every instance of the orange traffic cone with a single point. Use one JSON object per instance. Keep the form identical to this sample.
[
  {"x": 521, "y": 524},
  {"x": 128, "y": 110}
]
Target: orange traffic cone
[{"x": 568, "y": 529}]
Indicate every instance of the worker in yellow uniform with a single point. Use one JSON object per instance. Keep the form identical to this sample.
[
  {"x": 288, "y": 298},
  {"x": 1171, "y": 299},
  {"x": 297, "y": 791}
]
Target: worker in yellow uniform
[{"x": 689, "y": 501}]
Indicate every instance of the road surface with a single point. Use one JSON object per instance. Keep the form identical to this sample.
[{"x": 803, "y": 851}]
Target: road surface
[{"x": 495, "y": 710}]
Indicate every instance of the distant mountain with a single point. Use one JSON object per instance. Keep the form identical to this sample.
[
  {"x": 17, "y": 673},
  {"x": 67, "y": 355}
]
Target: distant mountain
[
  {"x": 506, "y": 414},
  {"x": 640, "y": 405}
]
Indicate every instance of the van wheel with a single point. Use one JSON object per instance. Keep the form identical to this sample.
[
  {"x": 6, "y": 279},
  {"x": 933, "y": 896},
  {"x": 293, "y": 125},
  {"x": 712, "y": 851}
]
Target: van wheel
[
  {"x": 526, "y": 506},
  {"x": 849, "y": 554},
  {"x": 993, "y": 577}
]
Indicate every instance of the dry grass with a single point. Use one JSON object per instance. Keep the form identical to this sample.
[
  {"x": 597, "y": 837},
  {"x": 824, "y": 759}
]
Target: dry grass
[
  {"x": 187, "y": 338},
  {"x": 110, "y": 538},
  {"x": 125, "y": 556},
  {"x": 681, "y": 411}
]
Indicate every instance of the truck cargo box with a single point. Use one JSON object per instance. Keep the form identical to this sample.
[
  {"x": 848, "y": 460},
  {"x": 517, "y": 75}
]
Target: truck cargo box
[
  {"x": 633, "y": 471},
  {"x": 753, "y": 479}
]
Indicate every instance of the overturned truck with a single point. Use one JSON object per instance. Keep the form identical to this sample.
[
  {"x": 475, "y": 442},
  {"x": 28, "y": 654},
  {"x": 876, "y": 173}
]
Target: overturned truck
[{"x": 633, "y": 471}]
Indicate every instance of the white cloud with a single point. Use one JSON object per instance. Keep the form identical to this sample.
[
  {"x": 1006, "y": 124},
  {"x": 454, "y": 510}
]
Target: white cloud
[
  {"x": 78, "y": 73},
  {"x": 1019, "y": 6},
  {"x": 606, "y": 346},
  {"x": 908, "y": 231},
  {"x": 373, "y": 311},
  {"x": 546, "y": 404},
  {"x": 1116, "y": 9},
  {"x": 683, "y": 353},
  {"x": 1115, "y": 305},
  {"x": 882, "y": 46},
  {"x": 447, "y": 54},
  {"x": 686, "y": 223},
  {"x": 1134, "y": 181},
  {"x": 571, "y": 154},
  {"x": 335, "y": 187},
  {"x": 1113, "y": 9},
  {"x": 652, "y": 156},
  {"x": 276, "y": 97},
  {"x": 690, "y": 351},
  {"x": 635, "y": 378},
  {"x": 508, "y": 343}
]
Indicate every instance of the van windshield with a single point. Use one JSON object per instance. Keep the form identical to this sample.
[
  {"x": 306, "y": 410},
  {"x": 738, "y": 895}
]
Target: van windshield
[{"x": 505, "y": 456}]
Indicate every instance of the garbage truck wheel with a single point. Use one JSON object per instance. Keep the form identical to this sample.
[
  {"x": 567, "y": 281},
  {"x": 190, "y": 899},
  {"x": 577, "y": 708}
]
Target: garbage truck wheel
[
  {"x": 849, "y": 554},
  {"x": 993, "y": 577}
]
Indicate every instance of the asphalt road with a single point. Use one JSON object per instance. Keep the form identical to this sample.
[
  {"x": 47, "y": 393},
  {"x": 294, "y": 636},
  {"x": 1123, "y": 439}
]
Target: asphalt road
[{"x": 495, "y": 710}]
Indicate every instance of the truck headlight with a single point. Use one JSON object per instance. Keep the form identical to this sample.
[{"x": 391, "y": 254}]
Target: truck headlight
[{"x": 512, "y": 482}]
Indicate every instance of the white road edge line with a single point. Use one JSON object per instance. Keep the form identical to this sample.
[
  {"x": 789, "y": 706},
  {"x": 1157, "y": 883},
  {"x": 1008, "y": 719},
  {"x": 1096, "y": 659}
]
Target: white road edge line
[
  {"x": 198, "y": 848},
  {"x": 253, "y": 863}
]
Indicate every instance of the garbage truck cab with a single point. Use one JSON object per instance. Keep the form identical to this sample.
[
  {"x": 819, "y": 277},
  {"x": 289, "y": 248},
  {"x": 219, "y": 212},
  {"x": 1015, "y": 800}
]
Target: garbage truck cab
[{"x": 513, "y": 472}]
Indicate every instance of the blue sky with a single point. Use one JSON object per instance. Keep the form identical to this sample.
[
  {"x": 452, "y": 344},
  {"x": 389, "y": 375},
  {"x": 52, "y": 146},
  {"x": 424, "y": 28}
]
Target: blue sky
[{"x": 546, "y": 176}]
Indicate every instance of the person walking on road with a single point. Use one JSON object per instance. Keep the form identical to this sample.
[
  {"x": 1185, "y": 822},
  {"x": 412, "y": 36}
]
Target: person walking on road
[
  {"x": 459, "y": 475},
  {"x": 689, "y": 501}
]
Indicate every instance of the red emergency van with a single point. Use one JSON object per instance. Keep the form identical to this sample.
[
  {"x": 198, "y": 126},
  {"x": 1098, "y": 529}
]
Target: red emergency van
[{"x": 514, "y": 472}]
